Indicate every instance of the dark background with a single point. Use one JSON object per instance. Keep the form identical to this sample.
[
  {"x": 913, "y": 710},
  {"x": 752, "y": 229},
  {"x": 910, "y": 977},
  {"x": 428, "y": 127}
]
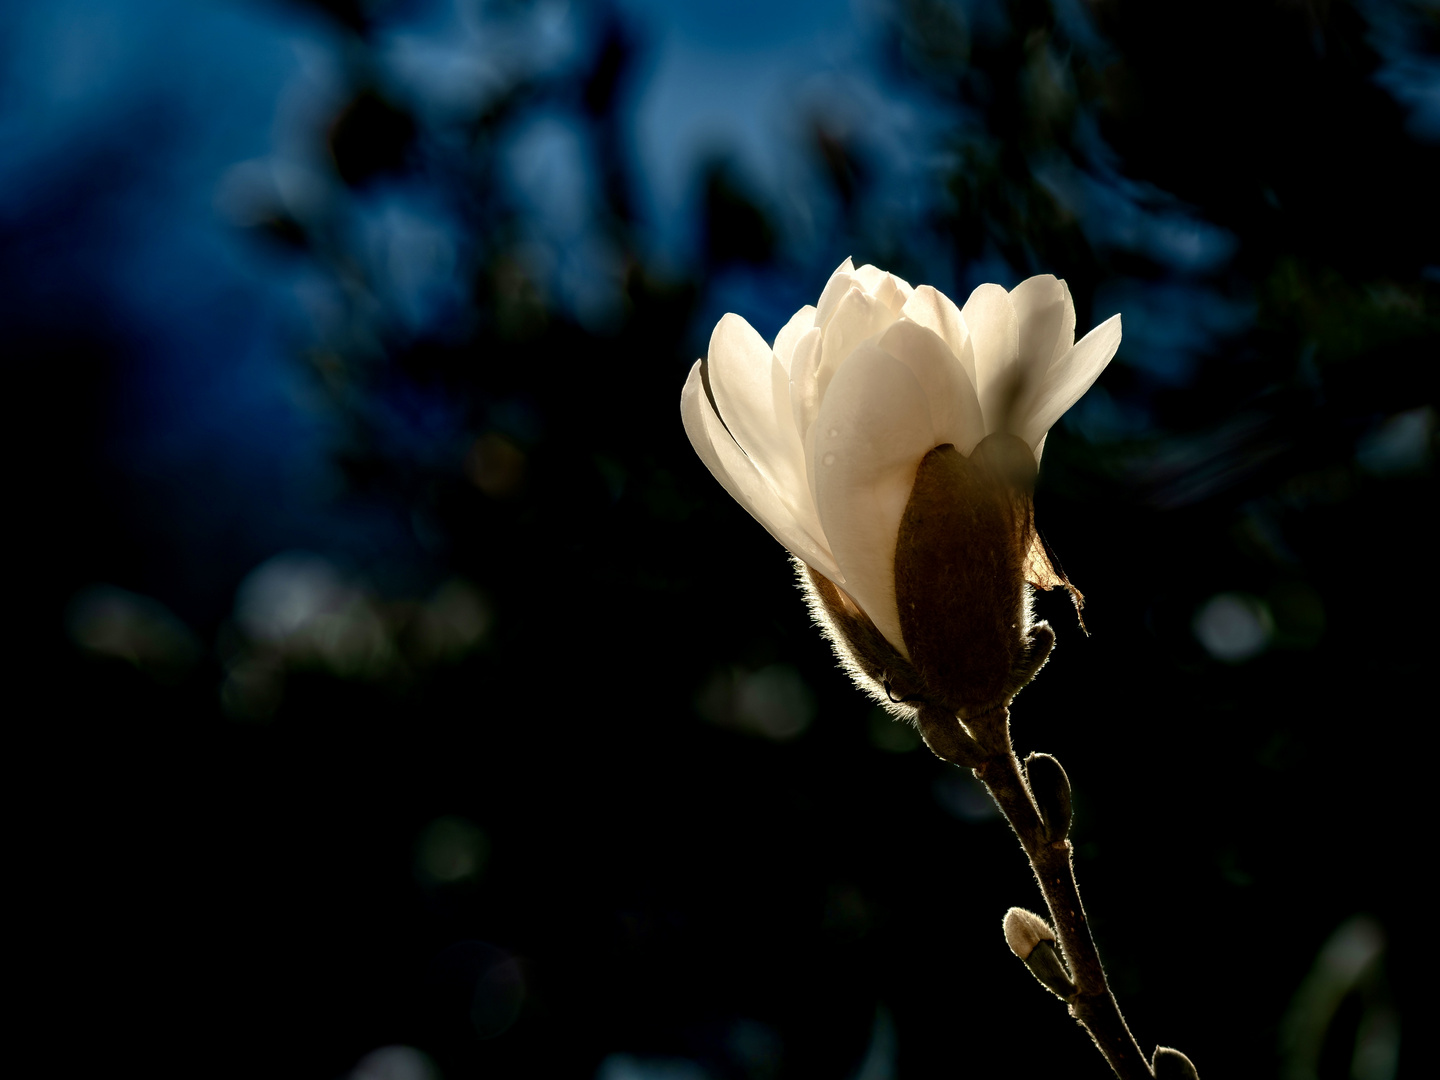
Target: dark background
[{"x": 394, "y": 694}]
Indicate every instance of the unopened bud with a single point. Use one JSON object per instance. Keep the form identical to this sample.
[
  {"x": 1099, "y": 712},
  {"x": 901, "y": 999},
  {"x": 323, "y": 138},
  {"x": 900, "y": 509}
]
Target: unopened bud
[
  {"x": 1170, "y": 1064},
  {"x": 1024, "y": 930},
  {"x": 960, "y": 564},
  {"x": 1031, "y": 939},
  {"x": 1051, "y": 788}
]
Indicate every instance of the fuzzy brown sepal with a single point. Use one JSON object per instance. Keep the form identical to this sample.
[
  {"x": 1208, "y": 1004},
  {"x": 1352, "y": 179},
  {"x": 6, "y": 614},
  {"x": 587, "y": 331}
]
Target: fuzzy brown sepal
[
  {"x": 867, "y": 657},
  {"x": 963, "y": 559},
  {"x": 947, "y": 737}
]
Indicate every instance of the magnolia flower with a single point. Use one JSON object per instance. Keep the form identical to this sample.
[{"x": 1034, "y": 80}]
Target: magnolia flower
[{"x": 889, "y": 440}]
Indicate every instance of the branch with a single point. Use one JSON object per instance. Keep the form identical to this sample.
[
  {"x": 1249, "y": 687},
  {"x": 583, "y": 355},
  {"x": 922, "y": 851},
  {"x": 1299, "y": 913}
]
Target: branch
[{"x": 983, "y": 744}]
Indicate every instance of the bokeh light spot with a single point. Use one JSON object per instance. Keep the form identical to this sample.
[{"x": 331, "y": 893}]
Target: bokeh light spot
[
  {"x": 773, "y": 702},
  {"x": 1402, "y": 444},
  {"x": 964, "y": 797},
  {"x": 496, "y": 465},
  {"x": 450, "y": 849},
  {"x": 454, "y": 621},
  {"x": 891, "y": 735},
  {"x": 631, "y": 1067},
  {"x": 396, "y": 1063},
  {"x": 1234, "y": 627},
  {"x": 109, "y": 621}
]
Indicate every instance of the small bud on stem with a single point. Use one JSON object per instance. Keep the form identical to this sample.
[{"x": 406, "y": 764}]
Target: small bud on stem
[
  {"x": 1024, "y": 930},
  {"x": 1031, "y": 939},
  {"x": 1171, "y": 1064},
  {"x": 1051, "y": 789}
]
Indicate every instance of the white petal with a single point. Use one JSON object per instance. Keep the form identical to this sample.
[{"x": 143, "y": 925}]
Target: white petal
[
  {"x": 793, "y": 474},
  {"x": 872, "y": 431},
  {"x": 857, "y": 318},
  {"x": 1070, "y": 377},
  {"x": 1066, "y": 341},
  {"x": 994, "y": 334},
  {"x": 1046, "y": 317},
  {"x": 870, "y": 277},
  {"x": 890, "y": 290},
  {"x": 728, "y": 463},
  {"x": 801, "y": 322},
  {"x": 841, "y": 282},
  {"x": 935, "y": 311},
  {"x": 804, "y": 394},
  {"x": 954, "y": 409},
  {"x": 752, "y": 392}
]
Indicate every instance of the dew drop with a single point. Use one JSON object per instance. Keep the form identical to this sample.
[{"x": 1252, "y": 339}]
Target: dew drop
[{"x": 829, "y": 459}]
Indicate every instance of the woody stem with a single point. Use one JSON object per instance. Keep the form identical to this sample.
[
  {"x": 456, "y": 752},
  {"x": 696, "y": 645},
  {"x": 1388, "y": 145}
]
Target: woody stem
[{"x": 1092, "y": 1004}]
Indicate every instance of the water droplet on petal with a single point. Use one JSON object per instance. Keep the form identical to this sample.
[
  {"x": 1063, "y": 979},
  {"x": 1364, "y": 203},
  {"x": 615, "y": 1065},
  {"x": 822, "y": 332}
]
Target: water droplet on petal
[{"x": 829, "y": 459}]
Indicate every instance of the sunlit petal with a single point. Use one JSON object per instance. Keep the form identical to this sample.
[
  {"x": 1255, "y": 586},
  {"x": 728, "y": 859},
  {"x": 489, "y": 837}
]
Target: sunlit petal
[
  {"x": 873, "y": 429},
  {"x": 995, "y": 336},
  {"x": 858, "y": 317},
  {"x": 800, "y": 323},
  {"x": 890, "y": 290},
  {"x": 954, "y": 409},
  {"x": 729, "y": 465},
  {"x": 743, "y": 377},
  {"x": 789, "y": 470},
  {"x": 841, "y": 282},
  {"x": 1070, "y": 377},
  {"x": 1045, "y": 316},
  {"x": 932, "y": 309},
  {"x": 804, "y": 394}
]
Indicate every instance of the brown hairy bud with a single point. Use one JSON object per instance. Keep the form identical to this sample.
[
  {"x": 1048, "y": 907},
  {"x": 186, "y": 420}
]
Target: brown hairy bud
[
  {"x": 1031, "y": 939},
  {"x": 1051, "y": 788},
  {"x": 947, "y": 738},
  {"x": 1024, "y": 930},
  {"x": 964, "y": 551},
  {"x": 966, "y": 558},
  {"x": 875, "y": 665},
  {"x": 1170, "y": 1064}
]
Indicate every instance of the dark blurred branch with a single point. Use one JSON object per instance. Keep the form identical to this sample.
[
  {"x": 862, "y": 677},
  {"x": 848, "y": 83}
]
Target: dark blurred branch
[{"x": 988, "y": 751}]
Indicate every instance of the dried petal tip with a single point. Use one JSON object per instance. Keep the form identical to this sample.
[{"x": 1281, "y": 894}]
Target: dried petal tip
[
  {"x": 1024, "y": 930},
  {"x": 1170, "y": 1064},
  {"x": 1051, "y": 788}
]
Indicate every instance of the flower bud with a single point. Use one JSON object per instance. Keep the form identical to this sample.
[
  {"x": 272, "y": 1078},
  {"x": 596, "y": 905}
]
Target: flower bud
[
  {"x": 1024, "y": 930},
  {"x": 889, "y": 439},
  {"x": 1170, "y": 1064},
  {"x": 960, "y": 574},
  {"x": 1031, "y": 939},
  {"x": 1051, "y": 789}
]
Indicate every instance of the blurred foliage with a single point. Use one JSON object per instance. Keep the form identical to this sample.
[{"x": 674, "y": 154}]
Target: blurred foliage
[{"x": 599, "y": 790}]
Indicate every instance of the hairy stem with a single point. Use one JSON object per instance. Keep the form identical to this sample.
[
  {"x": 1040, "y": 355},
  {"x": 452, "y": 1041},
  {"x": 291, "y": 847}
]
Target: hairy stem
[{"x": 993, "y": 759}]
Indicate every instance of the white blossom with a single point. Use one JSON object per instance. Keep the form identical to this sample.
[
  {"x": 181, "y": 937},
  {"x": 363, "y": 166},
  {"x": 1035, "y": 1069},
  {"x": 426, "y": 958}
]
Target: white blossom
[{"x": 821, "y": 436}]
